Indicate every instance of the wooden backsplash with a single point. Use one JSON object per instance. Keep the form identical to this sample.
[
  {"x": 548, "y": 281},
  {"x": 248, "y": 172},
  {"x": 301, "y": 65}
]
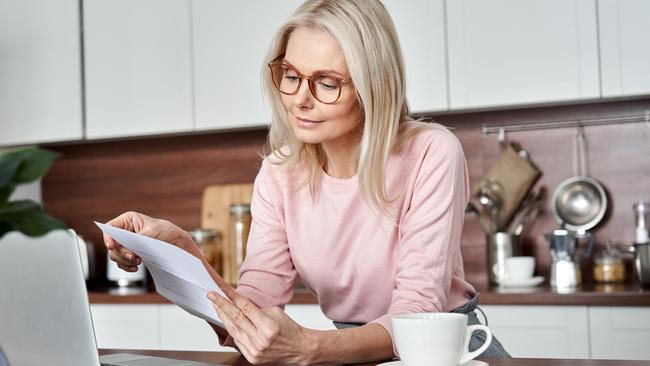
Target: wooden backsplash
[{"x": 165, "y": 177}]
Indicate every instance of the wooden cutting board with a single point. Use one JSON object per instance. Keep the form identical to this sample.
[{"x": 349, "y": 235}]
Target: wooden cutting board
[{"x": 216, "y": 203}]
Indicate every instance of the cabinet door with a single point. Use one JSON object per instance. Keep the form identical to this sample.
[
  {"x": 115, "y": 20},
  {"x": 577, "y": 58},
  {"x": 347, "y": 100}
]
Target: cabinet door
[
  {"x": 507, "y": 52},
  {"x": 420, "y": 26},
  {"x": 620, "y": 332},
  {"x": 137, "y": 67},
  {"x": 40, "y": 71},
  {"x": 624, "y": 46},
  {"x": 309, "y": 315},
  {"x": 179, "y": 330},
  {"x": 231, "y": 39},
  {"x": 129, "y": 326},
  {"x": 540, "y": 331}
]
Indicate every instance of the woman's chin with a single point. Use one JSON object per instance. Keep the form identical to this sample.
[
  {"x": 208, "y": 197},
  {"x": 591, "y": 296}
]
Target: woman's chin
[{"x": 308, "y": 137}]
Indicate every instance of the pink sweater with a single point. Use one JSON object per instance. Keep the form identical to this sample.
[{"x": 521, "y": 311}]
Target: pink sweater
[{"x": 363, "y": 267}]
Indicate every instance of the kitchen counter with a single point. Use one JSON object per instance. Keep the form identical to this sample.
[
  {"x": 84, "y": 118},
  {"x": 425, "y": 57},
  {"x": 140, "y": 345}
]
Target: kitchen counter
[
  {"x": 228, "y": 358},
  {"x": 629, "y": 294}
]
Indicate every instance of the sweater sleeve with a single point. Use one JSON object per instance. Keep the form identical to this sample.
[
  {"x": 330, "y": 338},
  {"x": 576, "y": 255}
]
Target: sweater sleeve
[
  {"x": 267, "y": 274},
  {"x": 430, "y": 230}
]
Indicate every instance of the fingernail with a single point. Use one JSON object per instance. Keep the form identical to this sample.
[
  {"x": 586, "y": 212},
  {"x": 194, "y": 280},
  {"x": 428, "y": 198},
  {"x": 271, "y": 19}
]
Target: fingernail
[
  {"x": 129, "y": 256},
  {"x": 212, "y": 296}
]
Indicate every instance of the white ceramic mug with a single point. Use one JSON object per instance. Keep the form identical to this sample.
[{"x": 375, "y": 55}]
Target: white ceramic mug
[
  {"x": 520, "y": 268},
  {"x": 441, "y": 339}
]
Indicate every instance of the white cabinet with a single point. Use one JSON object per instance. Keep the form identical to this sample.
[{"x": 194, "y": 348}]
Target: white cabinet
[
  {"x": 620, "y": 332},
  {"x": 138, "y": 71},
  {"x": 40, "y": 71},
  {"x": 624, "y": 47},
  {"x": 168, "y": 327},
  {"x": 180, "y": 330},
  {"x": 540, "y": 331},
  {"x": 509, "y": 52},
  {"x": 309, "y": 316},
  {"x": 231, "y": 39},
  {"x": 420, "y": 26},
  {"x": 132, "y": 326}
]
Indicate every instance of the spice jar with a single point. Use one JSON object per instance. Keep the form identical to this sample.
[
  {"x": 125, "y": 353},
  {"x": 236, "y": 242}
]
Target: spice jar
[
  {"x": 609, "y": 267},
  {"x": 209, "y": 241},
  {"x": 235, "y": 250}
]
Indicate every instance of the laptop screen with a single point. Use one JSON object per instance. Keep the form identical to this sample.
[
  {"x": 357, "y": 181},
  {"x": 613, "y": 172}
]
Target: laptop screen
[{"x": 44, "y": 312}]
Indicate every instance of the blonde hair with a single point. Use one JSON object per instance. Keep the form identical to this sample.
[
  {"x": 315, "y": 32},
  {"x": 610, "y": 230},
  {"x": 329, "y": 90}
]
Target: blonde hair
[{"x": 370, "y": 44}]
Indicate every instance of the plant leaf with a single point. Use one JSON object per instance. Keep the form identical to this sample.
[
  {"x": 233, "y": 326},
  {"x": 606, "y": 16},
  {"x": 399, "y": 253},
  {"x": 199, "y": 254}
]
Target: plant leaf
[
  {"x": 34, "y": 165},
  {"x": 9, "y": 164},
  {"x": 19, "y": 206},
  {"x": 5, "y": 192},
  {"x": 27, "y": 217}
]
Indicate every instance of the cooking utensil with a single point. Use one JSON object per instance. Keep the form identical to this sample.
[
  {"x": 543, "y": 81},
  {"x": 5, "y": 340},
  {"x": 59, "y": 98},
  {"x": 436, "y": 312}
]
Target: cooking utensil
[
  {"x": 642, "y": 262},
  {"x": 565, "y": 261},
  {"x": 482, "y": 215},
  {"x": 500, "y": 245},
  {"x": 490, "y": 198},
  {"x": 515, "y": 175},
  {"x": 532, "y": 211},
  {"x": 579, "y": 203}
]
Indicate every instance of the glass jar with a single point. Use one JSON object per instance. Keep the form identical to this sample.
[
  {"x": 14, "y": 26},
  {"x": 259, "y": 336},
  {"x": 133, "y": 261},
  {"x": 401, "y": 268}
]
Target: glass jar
[
  {"x": 609, "y": 267},
  {"x": 209, "y": 241},
  {"x": 235, "y": 250}
]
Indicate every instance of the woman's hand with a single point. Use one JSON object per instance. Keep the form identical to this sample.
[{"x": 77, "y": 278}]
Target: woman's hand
[
  {"x": 263, "y": 335},
  {"x": 151, "y": 227}
]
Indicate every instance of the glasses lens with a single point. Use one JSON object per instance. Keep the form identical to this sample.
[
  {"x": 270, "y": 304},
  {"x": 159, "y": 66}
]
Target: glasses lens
[
  {"x": 326, "y": 88},
  {"x": 285, "y": 78}
]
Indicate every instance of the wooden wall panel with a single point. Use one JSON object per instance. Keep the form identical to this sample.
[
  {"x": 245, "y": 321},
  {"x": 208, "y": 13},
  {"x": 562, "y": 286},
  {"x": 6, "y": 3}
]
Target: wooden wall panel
[
  {"x": 617, "y": 155},
  {"x": 164, "y": 177},
  {"x": 161, "y": 177}
]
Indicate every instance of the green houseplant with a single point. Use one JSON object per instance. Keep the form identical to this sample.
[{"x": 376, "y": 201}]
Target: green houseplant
[{"x": 20, "y": 166}]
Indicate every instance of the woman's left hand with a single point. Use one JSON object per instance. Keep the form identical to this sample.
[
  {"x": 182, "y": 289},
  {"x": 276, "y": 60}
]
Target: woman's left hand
[{"x": 263, "y": 335}]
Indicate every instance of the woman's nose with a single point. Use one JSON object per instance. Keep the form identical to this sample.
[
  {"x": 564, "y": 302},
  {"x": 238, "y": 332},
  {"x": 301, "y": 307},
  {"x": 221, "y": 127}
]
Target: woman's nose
[{"x": 303, "y": 98}]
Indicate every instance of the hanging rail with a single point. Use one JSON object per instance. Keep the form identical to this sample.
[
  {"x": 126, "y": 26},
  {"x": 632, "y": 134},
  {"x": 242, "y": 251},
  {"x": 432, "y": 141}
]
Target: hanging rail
[{"x": 502, "y": 129}]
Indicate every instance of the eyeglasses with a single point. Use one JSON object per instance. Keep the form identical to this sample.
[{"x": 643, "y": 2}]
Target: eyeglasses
[{"x": 325, "y": 87}]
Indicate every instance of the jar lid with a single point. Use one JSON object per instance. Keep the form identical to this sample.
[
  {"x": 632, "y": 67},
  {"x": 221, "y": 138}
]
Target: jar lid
[
  {"x": 608, "y": 260},
  {"x": 240, "y": 208},
  {"x": 608, "y": 257},
  {"x": 201, "y": 234}
]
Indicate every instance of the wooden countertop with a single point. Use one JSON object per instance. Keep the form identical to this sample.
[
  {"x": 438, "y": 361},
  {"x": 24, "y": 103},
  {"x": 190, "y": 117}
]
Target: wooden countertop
[
  {"x": 629, "y": 294},
  {"x": 105, "y": 295},
  {"x": 228, "y": 358}
]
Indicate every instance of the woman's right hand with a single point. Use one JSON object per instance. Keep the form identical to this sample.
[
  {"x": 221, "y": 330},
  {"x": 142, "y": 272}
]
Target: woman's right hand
[{"x": 151, "y": 227}]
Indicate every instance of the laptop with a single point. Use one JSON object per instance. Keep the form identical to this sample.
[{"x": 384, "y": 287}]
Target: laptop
[{"x": 45, "y": 316}]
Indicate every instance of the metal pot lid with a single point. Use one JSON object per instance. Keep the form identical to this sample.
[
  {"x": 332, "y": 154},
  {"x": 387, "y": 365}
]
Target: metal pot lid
[{"x": 579, "y": 203}]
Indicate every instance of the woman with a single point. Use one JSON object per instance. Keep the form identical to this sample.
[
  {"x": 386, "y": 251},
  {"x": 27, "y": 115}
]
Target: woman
[{"x": 365, "y": 204}]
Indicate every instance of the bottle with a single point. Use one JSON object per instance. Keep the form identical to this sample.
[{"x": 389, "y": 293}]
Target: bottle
[
  {"x": 641, "y": 221},
  {"x": 235, "y": 250}
]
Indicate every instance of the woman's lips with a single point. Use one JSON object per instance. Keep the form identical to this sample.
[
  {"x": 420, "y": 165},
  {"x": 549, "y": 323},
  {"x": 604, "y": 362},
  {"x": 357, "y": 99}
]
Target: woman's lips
[{"x": 306, "y": 122}]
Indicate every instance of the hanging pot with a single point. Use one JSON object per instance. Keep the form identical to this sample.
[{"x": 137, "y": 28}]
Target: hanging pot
[{"x": 579, "y": 203}]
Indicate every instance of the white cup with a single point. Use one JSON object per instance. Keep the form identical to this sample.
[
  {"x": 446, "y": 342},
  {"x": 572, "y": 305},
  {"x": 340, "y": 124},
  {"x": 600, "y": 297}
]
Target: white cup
[
  {"x": 440, "y": 339},
  {"x": 520, "y": 268}
]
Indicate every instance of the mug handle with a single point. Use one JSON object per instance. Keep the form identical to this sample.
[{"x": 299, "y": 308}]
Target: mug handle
[{"x": 467, "y": 355}]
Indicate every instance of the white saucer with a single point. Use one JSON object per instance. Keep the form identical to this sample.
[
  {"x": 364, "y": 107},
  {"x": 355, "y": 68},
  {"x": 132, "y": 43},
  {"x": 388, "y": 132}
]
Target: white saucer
[
  {"x": 527, "y": 282},
  {"x": 468, "y": 363}
]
